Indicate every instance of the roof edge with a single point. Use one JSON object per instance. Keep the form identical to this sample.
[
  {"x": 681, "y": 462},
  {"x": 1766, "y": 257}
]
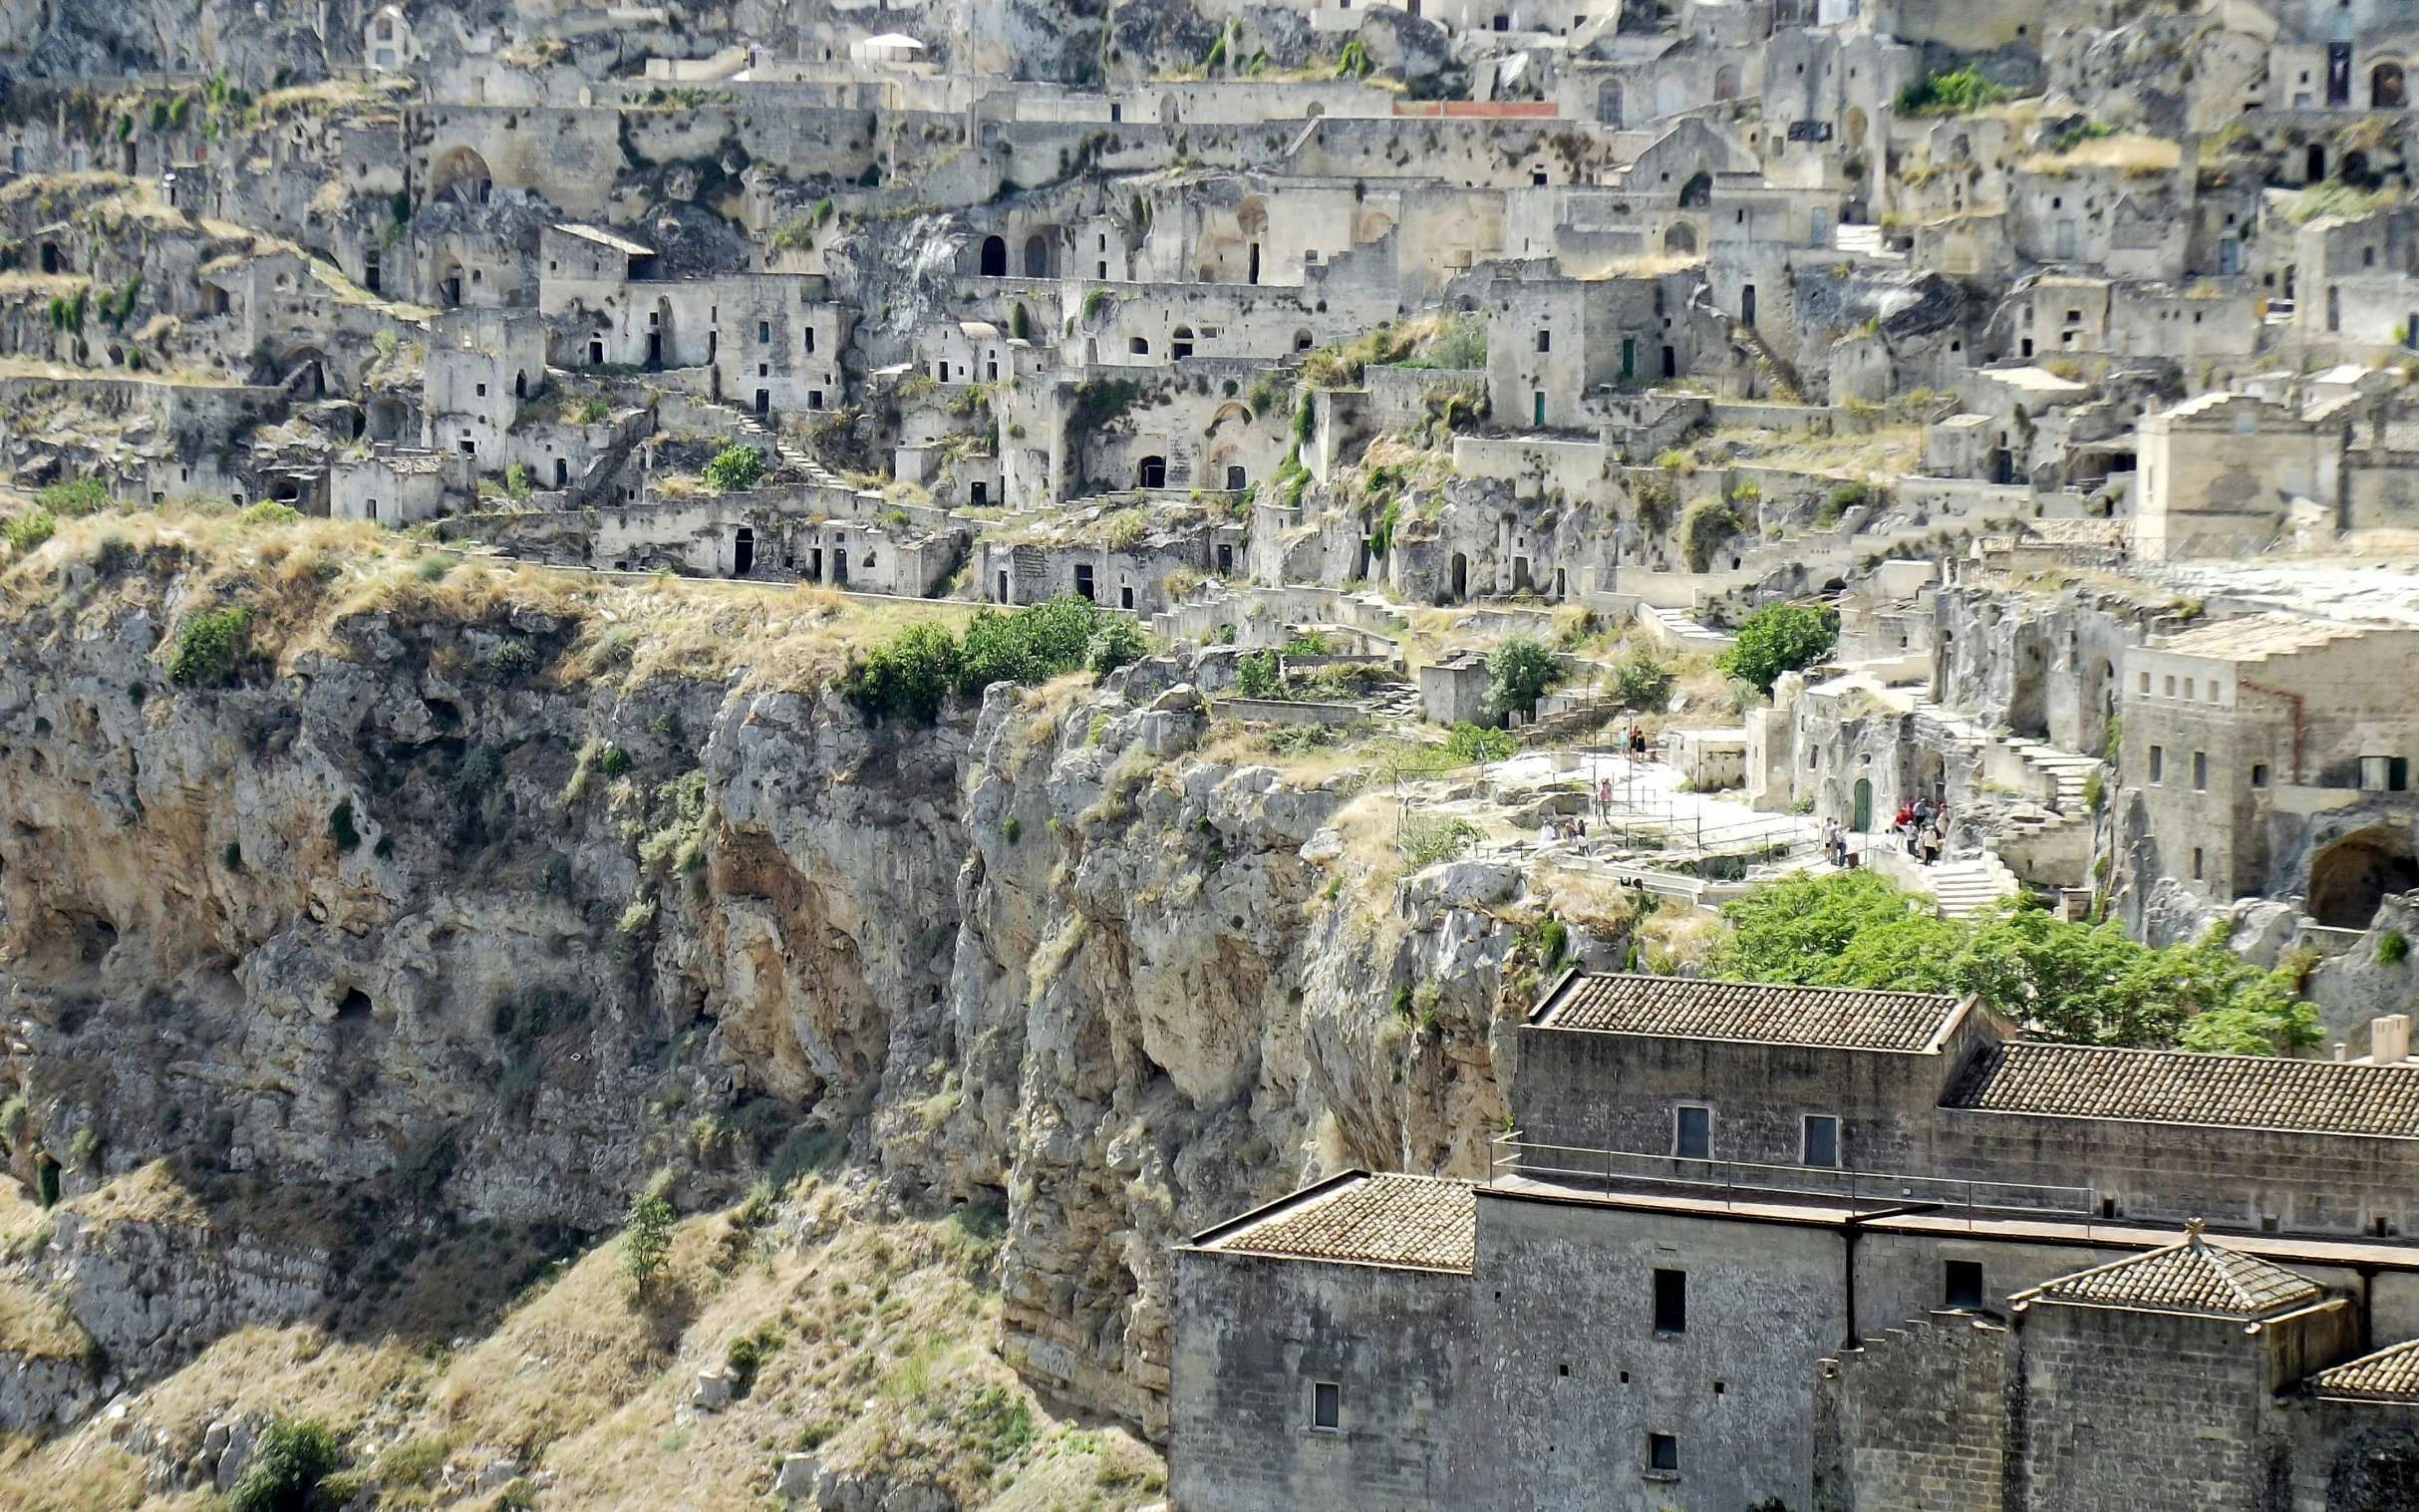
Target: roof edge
[{"x": 1293, "y": 1198}]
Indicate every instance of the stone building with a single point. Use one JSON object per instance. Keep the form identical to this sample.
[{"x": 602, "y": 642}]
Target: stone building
[
  {"x": 1716, "y": 1193},
  {"x": 2272, "y": 754}
]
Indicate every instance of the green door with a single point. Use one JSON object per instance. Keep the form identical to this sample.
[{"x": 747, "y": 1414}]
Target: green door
[{"x": 1864, "y": 806}]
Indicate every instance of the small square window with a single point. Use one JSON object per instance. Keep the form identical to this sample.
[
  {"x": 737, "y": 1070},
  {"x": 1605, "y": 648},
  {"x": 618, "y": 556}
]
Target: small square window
[
  {"x": 1663, "y": 1453},
  {"x": 1962, "y": 1283},
  {"x": 1670, "y": 1302},
  {"x": 1693, "y": 1134},
  {"x": 1822, "y": 1141},
  {"x": 1326, "y": 1405},
  {"x": 483, "y": 391}
]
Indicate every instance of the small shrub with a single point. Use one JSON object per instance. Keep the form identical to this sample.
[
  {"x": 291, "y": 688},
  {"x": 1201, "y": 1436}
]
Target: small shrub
[
  {"x": 286, "y": 1469},
  {"x": 1429, "y": 841},
  {"x": 1257, "y": 677},
  {"x": 2392, "y": 946},
  {"x": 416, "y": 1463},
  {"x": 340, "y": 827},
  {"x": 647, "y": 1228},
  {"x": 1553, "y": 942},
  {"x": 739, "y": 1364},
  {"x": 29, "y": 531},
  {"x": 1009, "y": 829},
  {"x": 513, "y": 659},
  {"x": 210, "y": 646},
  {"x": 1466, "y": 743},
  {"x": 972, "y": 1237},
  {"x": 269, "y": 513},
  {"x": 1642, "y": 683},
  {"x": 83, "y": 495}
]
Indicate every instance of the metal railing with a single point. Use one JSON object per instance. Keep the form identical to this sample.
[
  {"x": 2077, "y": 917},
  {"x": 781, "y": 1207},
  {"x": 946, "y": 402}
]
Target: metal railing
[{"x": 1737, "y": 1180}]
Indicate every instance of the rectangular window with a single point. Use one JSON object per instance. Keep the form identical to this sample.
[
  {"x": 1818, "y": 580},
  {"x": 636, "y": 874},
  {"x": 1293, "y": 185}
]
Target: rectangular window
[
  {"x": 1822, "y": 1143},
  {"x": 1663, "y": 1453},
  {"x": 2398, "y": 773},
  {"x": 1693, "y": 1134},
  {"x": 1545, "y": 341},
  {"x": 1670, "y": 1302},
  {"x": 2171, "y": 688},
  {"x": 1540, "y": 402},
  {"x": 1963, "y": 1284},
  {"x": 2187, "y": 687},
  {"x": 2375, "y": 772},
  {"x": 763, "y": 331},
  {"x": 2196, "y": 863},
  {"x": 2146, "y": 683},
  {"x": 810, "y": 340},
  {"x": 2200, "y": 771},
  {"x": 2158, "y": 763},
  {"x": 1326, "y": 1405},
  {"x": 2259, "y": 773},
  {"x": 1629, "y": 357}
]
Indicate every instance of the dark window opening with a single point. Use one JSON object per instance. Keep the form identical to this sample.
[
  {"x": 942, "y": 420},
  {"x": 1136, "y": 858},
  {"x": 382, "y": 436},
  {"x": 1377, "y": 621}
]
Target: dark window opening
[
  {"x": 1084, "y": 582},
  {"x": 1126, "y": 597},
  {"x": 1822, "y": 1139},
  {"x": 1152, "y": 473},
  {"x": 1663, "y": 1453},
  {"x": 1670, "y": 1302},
  {"x": 1326, "y": 1405},
  {"x": 1962, "y": 1283}
]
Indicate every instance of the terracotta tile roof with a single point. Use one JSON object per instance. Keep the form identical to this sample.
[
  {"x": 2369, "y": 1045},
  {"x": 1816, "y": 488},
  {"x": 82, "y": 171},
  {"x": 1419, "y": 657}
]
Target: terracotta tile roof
[
  {"x": 2391, "y": 1373},
  {"x": 1691, "y": 1008},
  {"x": 2193, "y": 1277},
  {"x": 1419, "y": 1221},
  {"x": 2172, "y": 1087}
]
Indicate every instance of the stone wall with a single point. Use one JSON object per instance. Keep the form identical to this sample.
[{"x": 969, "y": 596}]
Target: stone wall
[{"x": 1916, "y": 1417}]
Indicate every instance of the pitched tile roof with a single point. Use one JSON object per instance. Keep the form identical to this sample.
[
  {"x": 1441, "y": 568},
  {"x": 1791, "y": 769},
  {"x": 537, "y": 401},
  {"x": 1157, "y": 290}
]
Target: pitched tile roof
[
  {"x": 2193, "y": 1277},
  {"x": 2172, "y": 1087},
  {"x": 1692, "y": 1007},
  {"x": 2391, "y": 1373},
  {"x": 1423, "y": 1222}
]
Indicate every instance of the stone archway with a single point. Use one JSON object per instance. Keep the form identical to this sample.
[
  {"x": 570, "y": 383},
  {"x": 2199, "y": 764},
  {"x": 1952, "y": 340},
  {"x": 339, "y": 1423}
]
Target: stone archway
[
  {"x": 1679, "y": 239},
  {"x": 460, "y": 174},
  {"x": 2350, "y": 878},
  {"x": 994, "y": 258}
]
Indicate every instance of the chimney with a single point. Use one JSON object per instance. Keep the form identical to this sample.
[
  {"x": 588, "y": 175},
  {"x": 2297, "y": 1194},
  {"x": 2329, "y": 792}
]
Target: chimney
[{"x": 2389, "y": 1038}]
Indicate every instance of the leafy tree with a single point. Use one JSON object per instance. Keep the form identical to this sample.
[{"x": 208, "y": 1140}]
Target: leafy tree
[
  {"x": 647, "y": 1236},
  {"x": 1642, "y": 681},
  {"x": 1781, "y": 638},
  {"x": 286, "y": 1467},
  {"x": 1256, "y": 676},
  {"x": 1519, "y": 671},
  {"x": 1949, "y": 94},
  {"x": 735, "y": 468},
  {"x": 910, "y": 676},
  {"x": 1463, "y": 344},
  {"x": 2073, "y": 982},
  {"x": 914, "y": 671}
]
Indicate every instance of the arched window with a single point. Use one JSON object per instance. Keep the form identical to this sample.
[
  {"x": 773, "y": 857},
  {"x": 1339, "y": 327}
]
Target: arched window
[
  {"x": 1182, "y": 345},
  {"x": 2385, "y": 87},
  {"x": 521, "y": 386},
  {"x": 995, "y": 257},
  {"x": 1036, "y": 256},
  {"x": 1152, "y": 473},
  {"x": 1302, "y": 340},
  {"x": 1139, "y": 347},
  {"x": 1697, "y": 193}
]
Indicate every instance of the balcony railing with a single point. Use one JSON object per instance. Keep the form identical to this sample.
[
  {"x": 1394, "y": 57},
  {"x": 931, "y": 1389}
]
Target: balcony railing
[{"x": 1735, "y": 1181}]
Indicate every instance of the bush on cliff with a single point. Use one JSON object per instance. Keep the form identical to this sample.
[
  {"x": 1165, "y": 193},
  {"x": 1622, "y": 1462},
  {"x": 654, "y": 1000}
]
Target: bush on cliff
[
  {"x": 911, "y": 675},
  {"x": 210, "y": 646},
  {"x": 286, "y": 1467}
]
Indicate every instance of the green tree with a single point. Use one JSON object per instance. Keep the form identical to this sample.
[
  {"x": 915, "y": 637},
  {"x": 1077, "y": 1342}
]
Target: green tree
[
  {"x": 1519, "y": 671},
  {"x": 1642, "y": 681},
  {"x": 1781, "y": 638},
  {"x": 647, "y": 1236},
  {"x": 735, "y": 468},
  {"x": 2062, "y": 981},
  {"x": 210, "y": 646}
]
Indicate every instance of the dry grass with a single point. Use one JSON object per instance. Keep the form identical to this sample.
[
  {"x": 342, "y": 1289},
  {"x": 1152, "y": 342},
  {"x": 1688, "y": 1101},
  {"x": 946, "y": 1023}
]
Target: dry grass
[
  {"x": 1890, "y": 452},
  {"x": 300, "y": 579},
  {"x": 2132, "y": 153},
  {"x": 873, "y": 1339},
  {"x": 1677, "y": 935}
]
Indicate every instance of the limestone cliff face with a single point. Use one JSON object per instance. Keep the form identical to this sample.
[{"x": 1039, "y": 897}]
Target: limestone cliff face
[{"x": 418, "y": 926}]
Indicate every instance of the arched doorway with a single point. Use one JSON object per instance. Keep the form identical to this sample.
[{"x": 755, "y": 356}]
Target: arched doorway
[
  {"x": 1681, "y": 239},
  {"x": 460, "y": 176},
  {"x": 520, "y": 385},
  {"x": 1461, "y": 578},
  {"x": 1180, "y": 344},
  {"x": 1697, "y": 193},
  {"x": 2385, "y": 87},
  {"x": 743, "y": 552},
  {"x": 1861, "y": 820},
  {"x": 2350, "y": 878},
  {"x": 1036, "y": 256},
  {"x": 995, "y": 257},
  {"x": 1152, "y": 473},
  {"x": 1725, "y": 82}
]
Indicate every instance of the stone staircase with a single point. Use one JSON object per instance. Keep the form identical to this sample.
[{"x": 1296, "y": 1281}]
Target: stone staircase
[
  {"x": 2057, "y": 819},
  {"x": 1966, "y": 888}
]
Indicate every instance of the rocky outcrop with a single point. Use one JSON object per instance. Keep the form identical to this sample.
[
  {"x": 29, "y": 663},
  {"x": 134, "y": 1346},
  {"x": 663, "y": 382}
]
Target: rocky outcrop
[{"x": 433, "y": 923}]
